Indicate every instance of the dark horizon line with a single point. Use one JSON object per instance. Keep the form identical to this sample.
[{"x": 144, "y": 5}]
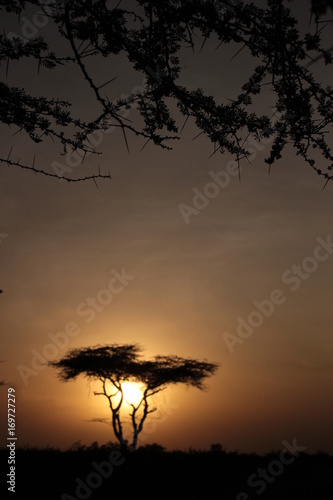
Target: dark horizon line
[{"x": 217, "y": 448}]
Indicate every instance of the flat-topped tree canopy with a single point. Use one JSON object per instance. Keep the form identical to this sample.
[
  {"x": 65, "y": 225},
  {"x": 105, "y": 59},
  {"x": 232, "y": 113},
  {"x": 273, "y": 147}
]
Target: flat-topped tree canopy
[
  {"x": 124, "y": 362},
  {"x": 164, "y": 370},
  {"x": 110, "y": 361}
]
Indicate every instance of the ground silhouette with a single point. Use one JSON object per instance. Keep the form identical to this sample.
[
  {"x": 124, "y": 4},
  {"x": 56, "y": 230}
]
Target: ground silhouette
[{"x": 154, "y": 473}]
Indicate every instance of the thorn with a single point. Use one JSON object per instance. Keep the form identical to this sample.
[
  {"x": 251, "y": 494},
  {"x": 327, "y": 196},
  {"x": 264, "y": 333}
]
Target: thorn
[
  {"x": 203, "y": 43},
  {"x": 197, "y": 136},
  {"x": 84, "y": 50},
  {"x": 95, "y": 182},
  {"x": 246, "y": 138},
  {"x": 83, "y": 157},
  {"x": 10, "y": 152},
  {"x": 247, "y": 158},
  {"x": 312, "y": 60},
  {"x": 17, "y": 131},
  {"x": 268, "y": 83},
  {"x": 219, "y": 45},
  {"x": 326, "y": 183},
  {"x": 123, "y": 118},
  {"x": 78, "y": 49},
  {"x": 324, "y": 26},
  {"x": 215, "y": 151},
  {"x": 240, "y": 50},
  {"x": 145, "y": 144},
  {"x": 125, "y": 138},
  {"x": 104, "y": 84},
  {"x": 184, "y": 123}
]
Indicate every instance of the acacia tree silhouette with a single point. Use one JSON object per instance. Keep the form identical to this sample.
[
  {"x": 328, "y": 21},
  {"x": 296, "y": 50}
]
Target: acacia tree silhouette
[
  {"x": 151, "y": 35},
  {"x": 115, "y": 364}
]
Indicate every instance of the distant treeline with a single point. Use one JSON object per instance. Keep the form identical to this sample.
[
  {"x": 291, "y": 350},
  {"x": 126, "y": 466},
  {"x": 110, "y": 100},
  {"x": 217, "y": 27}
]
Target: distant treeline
[{"x": 105, "y": 472}]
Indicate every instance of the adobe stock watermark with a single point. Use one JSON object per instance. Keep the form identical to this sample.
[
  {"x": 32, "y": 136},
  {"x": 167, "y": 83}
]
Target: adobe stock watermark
[
  {"x": 129, "y": 102},
  {"x": 29, "y": 28},
  {"x": 260, "y": 479},
  {"x": 211, "y": 190},
  {"x": 74, "y": 159},
  {"x": 87, "y": 309},
  {"x": 293, "y": 277},
  {"x": 221, "y": 180},
  {"x": 101, "y": 472},
  {"x": 165, "y": 408}
]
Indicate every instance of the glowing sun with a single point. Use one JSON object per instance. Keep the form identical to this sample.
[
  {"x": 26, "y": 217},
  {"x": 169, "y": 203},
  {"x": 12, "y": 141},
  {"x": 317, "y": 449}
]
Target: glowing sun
[{"x": 132, "y": 393}]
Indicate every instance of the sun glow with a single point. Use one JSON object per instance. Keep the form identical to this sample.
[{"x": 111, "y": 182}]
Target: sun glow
[{"x": 132, "y": 393}]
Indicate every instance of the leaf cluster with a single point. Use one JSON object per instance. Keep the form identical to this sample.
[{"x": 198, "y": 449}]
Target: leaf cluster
[{"x": 119, "y": 363}]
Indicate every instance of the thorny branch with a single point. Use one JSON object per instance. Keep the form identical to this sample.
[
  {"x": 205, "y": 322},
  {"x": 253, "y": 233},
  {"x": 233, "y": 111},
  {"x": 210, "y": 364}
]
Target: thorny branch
[{"x": 151, "y": 35}]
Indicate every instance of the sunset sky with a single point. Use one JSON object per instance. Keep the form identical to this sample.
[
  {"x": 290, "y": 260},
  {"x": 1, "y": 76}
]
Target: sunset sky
[{"x": 186, "y": 282}]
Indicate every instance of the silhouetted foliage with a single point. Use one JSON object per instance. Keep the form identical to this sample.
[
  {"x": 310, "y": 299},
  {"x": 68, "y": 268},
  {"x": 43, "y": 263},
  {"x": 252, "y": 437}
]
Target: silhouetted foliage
[
  {"x": 217, "y": 448},
  {"x": 115, "y": 364},
  {"x": 55, "y": 474},
  {"x": 320, "y": 7},
  {"x": 151, "y": 34}
]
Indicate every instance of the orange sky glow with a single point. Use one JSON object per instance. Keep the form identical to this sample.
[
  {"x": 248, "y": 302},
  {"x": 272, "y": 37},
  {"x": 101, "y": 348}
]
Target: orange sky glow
[{"x": 178, "y": 255}]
